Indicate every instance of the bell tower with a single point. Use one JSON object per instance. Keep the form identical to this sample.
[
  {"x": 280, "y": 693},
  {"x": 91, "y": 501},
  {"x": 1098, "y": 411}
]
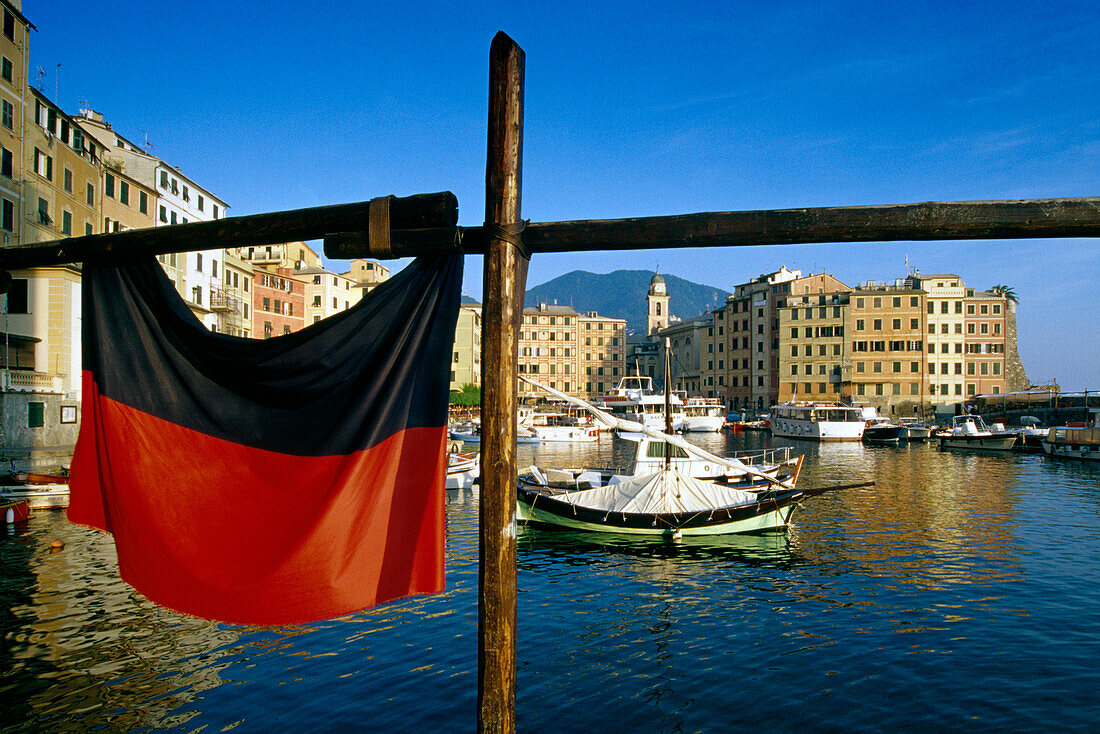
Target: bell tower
[{"x": 657, "y": 305}]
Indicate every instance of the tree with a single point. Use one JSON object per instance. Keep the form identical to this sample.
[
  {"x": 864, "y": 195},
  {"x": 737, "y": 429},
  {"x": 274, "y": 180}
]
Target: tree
[
  {"x": 1007, "y": 291},
  {"x": 470, "y": 395}
]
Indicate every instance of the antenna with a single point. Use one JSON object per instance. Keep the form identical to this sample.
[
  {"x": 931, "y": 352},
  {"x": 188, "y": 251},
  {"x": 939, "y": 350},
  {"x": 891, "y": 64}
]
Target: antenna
[
  {"x": 56, "y": 82},
  {"x": 41, "y": 73},
  {"x": 148, "y": 145}
]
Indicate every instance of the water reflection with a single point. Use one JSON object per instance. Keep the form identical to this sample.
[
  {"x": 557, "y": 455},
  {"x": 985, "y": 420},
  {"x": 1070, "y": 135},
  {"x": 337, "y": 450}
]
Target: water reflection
[{"x": 920, "y": 599}]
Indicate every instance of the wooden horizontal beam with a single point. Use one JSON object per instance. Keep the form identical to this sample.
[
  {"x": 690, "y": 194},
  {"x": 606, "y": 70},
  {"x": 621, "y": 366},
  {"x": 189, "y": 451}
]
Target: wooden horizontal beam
[
  {"x": 953, "y": 220},
  {"x": 417, "y": 211}
]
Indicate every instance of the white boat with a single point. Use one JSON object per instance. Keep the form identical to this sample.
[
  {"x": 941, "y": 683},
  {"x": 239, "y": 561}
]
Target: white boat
[
  {"x": 563, "y": 427},
  {"x": 472, "y": 434},
  {"x": 649, "y": 458},
  {"x": 38, "y": 496},
  {"x": 1075, "y": 442},
  {"x": 463, "y": 469},
  {"x": 970, "y": 432},
  {"x": 635, "y": 399},
  {"x": 704, "y": 415},
  {"x": 817, "y": 421},
  {"x": 668, "y": 502}
]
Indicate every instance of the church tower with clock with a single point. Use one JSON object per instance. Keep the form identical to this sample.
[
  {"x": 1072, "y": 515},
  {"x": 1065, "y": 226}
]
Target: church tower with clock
[{"x": 657, "y": 302}]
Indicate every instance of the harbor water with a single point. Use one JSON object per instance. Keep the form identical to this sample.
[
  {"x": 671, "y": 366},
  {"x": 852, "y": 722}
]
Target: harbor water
[{"x": 962, "y": 590}]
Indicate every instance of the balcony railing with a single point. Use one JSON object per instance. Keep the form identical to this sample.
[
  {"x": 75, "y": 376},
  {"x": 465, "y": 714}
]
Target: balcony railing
[{"x": 29, "y": 381}]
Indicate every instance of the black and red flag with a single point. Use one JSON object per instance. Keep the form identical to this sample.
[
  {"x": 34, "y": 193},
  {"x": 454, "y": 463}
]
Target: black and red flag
[{"x": 267, "y": 481}]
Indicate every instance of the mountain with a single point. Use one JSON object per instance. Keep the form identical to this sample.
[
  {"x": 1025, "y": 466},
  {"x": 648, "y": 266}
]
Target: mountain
[{"x": 621, "y": 294}]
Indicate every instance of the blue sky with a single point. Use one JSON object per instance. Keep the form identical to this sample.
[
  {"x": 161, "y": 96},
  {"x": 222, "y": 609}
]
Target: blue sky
[{"x": 632, "y": 109}]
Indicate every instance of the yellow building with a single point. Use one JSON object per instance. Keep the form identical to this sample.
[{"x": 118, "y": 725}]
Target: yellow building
[
  {"x": 13, "y": 95},
  {"x": 466, "y": 357}
]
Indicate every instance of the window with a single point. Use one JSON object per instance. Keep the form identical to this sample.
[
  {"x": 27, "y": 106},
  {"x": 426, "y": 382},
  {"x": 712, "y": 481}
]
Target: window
[
  {"x": 6, "y": 163},
  {"x": 43, "y": 164},
  {"x": 123, "y": 192},
  {"x": 897, "y": 301},
  {"x": 877, "y": 324},
  {"x": 267, "y": 330},
  {"x": 68, "y": 180},
  {"x": 7, "y": 115},
  {"x": 109, "y": 186},
  {"x": 163, "y": 214},
  {"x": 7, "y": 218},
  {"x": 143, "y": 202},
  {"x": 914, "y": 301},
  {"x": 164, "y": 179},
  {"x": 36, "y": 415},
  {"x": 90, "y": 192},
  {"x": 18, "y": 300},
  {"x": 896, "y": 324},
  {"x": 6, "y": 69},
  {"x": 878, "y": 302},
  {"x": 66, "y": 222},
  {"x": 44, "y": 212},
  {"x": 9, "y": 27}
]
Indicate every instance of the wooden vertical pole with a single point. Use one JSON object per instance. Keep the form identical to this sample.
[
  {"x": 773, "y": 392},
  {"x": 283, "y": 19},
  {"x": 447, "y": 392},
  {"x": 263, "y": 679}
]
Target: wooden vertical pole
[{"x": 504, "y": 283}]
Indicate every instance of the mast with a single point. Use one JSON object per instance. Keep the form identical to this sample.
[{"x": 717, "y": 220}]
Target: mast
[{"x": 668, "y": 405}]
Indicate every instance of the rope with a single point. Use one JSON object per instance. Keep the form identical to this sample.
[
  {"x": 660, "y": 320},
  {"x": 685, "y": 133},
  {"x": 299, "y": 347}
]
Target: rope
[{"x": 510, "y": 233}]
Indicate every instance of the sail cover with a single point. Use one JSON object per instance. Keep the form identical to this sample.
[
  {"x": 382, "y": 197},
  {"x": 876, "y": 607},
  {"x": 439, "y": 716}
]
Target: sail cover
[
  {"x": 267, "y": 481},
  {"x": 665, "y": 491}
]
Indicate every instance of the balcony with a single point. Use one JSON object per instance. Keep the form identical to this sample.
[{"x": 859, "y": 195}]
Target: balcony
[{"x": 29, "y": 381}]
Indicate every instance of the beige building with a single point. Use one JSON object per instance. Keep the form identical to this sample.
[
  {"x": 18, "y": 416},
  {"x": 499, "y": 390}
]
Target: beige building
[
  {"x": 581, "y": 355},
  {"x": 127, "y": 203},
  {"x": 466, "y": 358},
  {"x": 327, "y": 293},
  {"x": 368, "y": 274},
  {"x": 231, "y": 301},
  {"x": 13, "y": 96}
]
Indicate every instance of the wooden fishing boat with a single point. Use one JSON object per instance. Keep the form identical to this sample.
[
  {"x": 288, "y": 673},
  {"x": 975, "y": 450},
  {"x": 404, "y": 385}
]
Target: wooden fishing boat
[{"x": 738, "y": 498}]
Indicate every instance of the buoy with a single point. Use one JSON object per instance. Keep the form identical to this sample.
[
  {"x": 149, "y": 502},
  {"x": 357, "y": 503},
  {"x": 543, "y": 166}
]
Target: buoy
[
  {"x": 57, "y": 545},
  {"x": 9, "y": 516}
]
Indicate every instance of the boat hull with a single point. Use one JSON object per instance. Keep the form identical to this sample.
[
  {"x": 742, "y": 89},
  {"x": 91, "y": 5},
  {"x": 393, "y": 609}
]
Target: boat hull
[
  {"x": 983, "y": 443},
  {"x": 1084, "y": 452},
  {"x": 537, "y": 509},
  {"x": 704, "y": 424}
]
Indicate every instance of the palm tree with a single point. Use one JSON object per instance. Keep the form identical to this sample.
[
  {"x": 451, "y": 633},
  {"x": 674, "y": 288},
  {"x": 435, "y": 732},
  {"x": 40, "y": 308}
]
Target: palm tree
[{"x": 1007, "y": 291}]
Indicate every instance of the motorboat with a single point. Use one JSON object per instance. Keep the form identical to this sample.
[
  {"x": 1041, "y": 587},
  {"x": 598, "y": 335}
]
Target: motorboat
[
  {"x": 816, "y": 421},
  {"x": 635, "y": 399},
  {"x": 915, "y": 431},
  {"x": 1075, "y": 442},
  {"x": 563, "y": 427},
  {"x": 883, "y": 431},
  {"x": 969, "y": 431},
  {"x": 471, "y": 433},
  {"x": 705, "y": 415}
]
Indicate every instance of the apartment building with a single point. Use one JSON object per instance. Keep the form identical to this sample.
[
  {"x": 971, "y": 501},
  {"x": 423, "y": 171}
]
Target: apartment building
[
  {"x": 278, "y": 302},
  {"x": 169, "y": 197},
  {"x": 887, "y": 338},
  {"x": 815, "y": 360},
  {"x": 466, "y": 359},
  {"x": 13, "y": 94},
  {"x": 126, "y": 203},
  {"x": 985, "y": 333},
  {"x": 231, "y": 301},
  {"x": 577, "y": 354},
  {"x": 327, "y": 293},
  {"x": 602, "y": 353},
  {"x": 747, "y": 335}
]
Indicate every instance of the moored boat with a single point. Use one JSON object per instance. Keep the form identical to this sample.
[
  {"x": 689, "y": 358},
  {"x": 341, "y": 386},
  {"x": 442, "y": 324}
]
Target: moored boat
[
  {"x": 705, "y": 415},
  {"x": 667, "y": 502},
  {"x": 817, "y": 421},
  {"x": 1075, "y": 442},
  {"x": 635, "y": 399},
  {"x": 562, "y": 427},
  {"x": 463, "y": 469},
  {"x": 882, "y": 431},
  {"x": 970, "y": 432}
]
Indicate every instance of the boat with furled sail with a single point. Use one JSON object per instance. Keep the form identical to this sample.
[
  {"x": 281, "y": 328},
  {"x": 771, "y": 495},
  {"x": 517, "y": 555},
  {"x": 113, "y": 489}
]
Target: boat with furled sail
[{"x": 738, "y": 498}]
